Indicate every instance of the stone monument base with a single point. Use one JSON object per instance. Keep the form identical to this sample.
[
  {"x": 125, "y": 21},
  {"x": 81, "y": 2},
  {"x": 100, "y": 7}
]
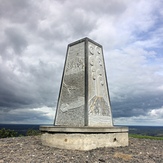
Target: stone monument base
[{"x": 83, "y": 138}]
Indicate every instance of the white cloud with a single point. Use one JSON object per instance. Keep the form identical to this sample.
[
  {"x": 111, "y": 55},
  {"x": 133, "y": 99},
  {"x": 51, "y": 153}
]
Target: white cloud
[
  {"x": 157, "y": 113},
  {"x": 154, "y": 118},
  {"x": 160, "y": 87}
]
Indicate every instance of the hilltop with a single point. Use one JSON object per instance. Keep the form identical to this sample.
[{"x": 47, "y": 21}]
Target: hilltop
[{"x": 29, "y": 149}]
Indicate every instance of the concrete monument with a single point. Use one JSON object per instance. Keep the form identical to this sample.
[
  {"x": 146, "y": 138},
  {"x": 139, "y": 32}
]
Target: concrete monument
[
  {"x": 84, "y": 98},
  {"x": 83, "y": 118}
]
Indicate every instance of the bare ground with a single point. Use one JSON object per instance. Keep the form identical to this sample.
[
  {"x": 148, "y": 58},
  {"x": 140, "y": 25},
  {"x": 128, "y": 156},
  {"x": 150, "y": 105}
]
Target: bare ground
[{"x": 30, "y": 150}]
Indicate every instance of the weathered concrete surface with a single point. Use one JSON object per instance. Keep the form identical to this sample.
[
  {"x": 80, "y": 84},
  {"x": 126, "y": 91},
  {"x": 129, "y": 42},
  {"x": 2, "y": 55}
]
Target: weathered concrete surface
[
  {"x": 84, "y": 138},
  {"x": 64, "y": 129},
  {"x": 84, "y": 142}
]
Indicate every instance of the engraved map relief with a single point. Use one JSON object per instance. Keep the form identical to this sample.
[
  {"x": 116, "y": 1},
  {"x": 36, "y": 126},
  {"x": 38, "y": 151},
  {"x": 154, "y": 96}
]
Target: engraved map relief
[
  {"x": 71, "y": 101},
  {"x": 99, "y": 104},
  {"x": 71, "y": 83}
]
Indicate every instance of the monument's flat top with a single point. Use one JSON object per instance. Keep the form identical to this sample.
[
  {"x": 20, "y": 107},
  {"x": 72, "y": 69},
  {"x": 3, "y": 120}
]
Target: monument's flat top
[
  {"x": 67, "y": 129},
  {"x": 84, "y": 39}
]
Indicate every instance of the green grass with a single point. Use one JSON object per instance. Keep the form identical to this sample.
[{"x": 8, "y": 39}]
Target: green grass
[{"x": 145, "y": 137}]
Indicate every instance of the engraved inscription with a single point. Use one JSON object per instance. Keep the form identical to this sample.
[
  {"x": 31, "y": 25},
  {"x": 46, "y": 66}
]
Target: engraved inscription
[
  {"x": 98, "y": 97},
  {"x": 74, "y": 66}
]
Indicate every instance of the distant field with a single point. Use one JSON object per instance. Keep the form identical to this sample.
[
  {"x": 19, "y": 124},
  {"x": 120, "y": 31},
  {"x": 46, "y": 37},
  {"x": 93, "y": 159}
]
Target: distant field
[
  {"x": 145, "y": 137},
  {"x": 156, "y": 131}
]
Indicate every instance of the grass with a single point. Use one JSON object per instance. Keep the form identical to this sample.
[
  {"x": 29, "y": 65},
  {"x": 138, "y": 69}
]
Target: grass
[{"x": 145, "y": 137}]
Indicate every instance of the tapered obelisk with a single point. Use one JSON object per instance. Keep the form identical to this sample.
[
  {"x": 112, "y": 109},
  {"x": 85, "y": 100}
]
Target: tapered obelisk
[
  {"x": 83, "y": 118},
  {"x": 84, "y": 96}
]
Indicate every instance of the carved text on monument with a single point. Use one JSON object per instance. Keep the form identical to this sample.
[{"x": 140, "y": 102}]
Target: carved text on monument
[{"x": 74, "y": 66}]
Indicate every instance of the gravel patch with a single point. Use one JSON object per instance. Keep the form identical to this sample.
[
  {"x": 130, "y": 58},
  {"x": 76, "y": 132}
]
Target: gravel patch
[{"x": 30, "y": 150}]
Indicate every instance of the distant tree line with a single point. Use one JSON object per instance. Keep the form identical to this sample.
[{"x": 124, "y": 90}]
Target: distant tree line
[
  {"x": 6, "y": 133},
  {"x": 149, "y": 131}
]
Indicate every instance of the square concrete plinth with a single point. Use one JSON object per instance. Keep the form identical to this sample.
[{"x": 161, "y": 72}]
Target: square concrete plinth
[{"x": 84, "y": 138}]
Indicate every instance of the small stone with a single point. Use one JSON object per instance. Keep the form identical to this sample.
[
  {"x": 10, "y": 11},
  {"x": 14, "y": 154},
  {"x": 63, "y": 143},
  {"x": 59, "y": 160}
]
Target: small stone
[{"x": 102, "y": 160}]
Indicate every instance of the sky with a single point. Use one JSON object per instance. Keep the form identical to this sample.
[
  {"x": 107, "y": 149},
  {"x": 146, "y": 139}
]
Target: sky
[{"x": 33, "y": 41}]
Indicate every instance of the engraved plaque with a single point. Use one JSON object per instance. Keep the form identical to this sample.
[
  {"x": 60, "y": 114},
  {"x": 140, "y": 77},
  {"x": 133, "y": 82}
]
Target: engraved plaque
[
  {"x": 99, "y": 110},
  {"x": 84, "y": 98},
  {"x": 71, "y": 102}
]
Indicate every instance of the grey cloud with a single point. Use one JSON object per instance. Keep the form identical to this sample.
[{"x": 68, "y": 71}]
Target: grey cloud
[
  {"x": 39, "y": 87},
  {"x": 15, "y": 10},
  {"x": 24, "y": 116},
  {"x": 114, "y": 7},
  {"x": 81, "y": 24},
  {"x": 78, "y": 19},
  {"x": 84, "y": 16},
  {"x": 54, "y": 33},
  {"x": 76, "y": 24},
  {"x": 137, "y": 105},
  {"x": 12, "y": 95},
  {"x": 46, "y": 82},
  {"x": 16, "y": 39}
]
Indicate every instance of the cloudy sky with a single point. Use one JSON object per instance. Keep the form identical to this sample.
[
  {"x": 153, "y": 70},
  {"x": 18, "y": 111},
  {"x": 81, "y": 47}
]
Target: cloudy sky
[{"x": 33, "y": 42}]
